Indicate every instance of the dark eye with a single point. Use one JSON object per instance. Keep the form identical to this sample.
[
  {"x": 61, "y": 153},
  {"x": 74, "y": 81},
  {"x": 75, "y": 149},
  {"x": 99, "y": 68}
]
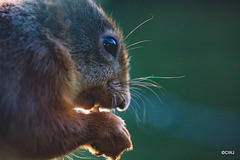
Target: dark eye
[{"x": 110, "y": 45}]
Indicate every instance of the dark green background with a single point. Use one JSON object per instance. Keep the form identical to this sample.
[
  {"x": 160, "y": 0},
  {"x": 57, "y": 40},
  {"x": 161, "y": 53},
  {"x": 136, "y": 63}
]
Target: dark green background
[{"x": 200, "y": 115}]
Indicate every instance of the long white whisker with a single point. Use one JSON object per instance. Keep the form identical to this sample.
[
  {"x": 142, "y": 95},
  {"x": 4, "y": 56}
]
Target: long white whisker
[
  {"x": 143, "y": 41},
  {"x": 137, "y": 117},
  {"x": 135, "y": 88},
  {"x": 135, "y": 48},
  {"x": 152, "y": 81},
  {"x": 141, "y": 95},
  {"x": 152, "y": 77},
  {"x": 138, "y": 94},
  {"x": 135, "y": 95},
  {"x": 151, "y": 91},
  {"x": 136, "y": 102},
  {"x": 145, "y": 84},
  {"x": 138, "y": 27},
  {"x": 144, "y": 105},
  {"x": 144, "y": 114}
]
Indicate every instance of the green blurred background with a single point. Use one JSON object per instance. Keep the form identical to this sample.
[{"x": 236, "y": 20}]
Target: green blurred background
[{"x": 198, "y": 115}]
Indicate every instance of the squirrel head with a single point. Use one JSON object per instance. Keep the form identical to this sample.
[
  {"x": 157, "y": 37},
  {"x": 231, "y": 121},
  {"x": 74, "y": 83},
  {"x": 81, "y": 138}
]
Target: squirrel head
[{"x": 96, "y": 50}]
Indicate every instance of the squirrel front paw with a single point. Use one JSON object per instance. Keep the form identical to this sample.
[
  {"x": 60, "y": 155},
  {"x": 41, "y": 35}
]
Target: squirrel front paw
[{"x": 113, "y": 137}]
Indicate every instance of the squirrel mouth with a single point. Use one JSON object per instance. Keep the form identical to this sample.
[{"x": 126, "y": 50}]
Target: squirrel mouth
[
  {"x": 111, "y": 95},
  {"x": 122, "y": 105},
  {"x": 102, "y": 98},
  {"x": 99, "y": 108}
]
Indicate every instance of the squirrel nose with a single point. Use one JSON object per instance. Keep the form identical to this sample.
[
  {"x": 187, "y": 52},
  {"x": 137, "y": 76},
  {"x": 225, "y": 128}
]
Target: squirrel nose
[{"x": 110, "y": 46}]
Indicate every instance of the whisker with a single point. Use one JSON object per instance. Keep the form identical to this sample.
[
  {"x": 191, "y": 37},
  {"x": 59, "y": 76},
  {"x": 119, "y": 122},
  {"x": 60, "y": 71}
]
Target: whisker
[
  {"x": 147, "y": 79},
  {"x": 141, "y": 95},
  {"x": 138, "y": 27},
  {"x": 134, "y": 94},
  {"x": 138, "y": 95},
  {"x": 151, "y": 91},
  {"x": 121, "y": 96},
  {"x": 152, "y": 77},
  {"x": 131, "y": 106},
  {"x": 143, "y": 41},
  {"x": 144, "y": 114},
  {"x": 136, "y": 103},
  {"x": 150, "y": 82},
  {"x": 144, "y": 105},
  {"x": 135, "y": 48},
  {"x": 145, "y": 84},
  {"x": 135, "y": 88},
  {"x": 137, "y": 117}
]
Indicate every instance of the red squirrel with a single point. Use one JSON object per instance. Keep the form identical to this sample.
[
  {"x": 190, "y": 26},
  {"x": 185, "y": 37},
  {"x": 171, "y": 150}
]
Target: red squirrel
[{"x": 57, "y": 55}]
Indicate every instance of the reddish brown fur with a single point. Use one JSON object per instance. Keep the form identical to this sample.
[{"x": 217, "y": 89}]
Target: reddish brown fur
[{"x": 40, "y": 86}]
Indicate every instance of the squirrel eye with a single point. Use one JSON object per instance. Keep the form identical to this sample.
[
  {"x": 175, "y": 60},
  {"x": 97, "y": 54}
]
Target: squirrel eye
[{"x": 110, "y": 45}]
